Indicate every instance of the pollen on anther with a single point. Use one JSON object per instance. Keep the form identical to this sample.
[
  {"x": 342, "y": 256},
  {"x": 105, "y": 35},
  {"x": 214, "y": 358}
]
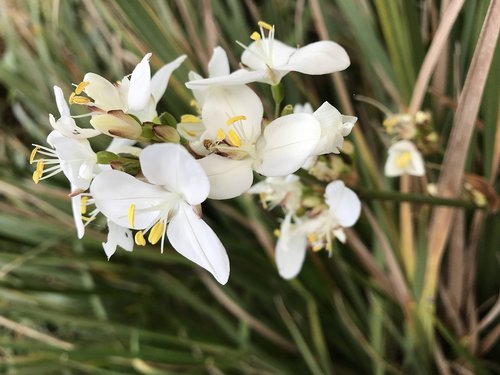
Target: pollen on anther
[
  {"x": 33, "y": 154},
  {"x": 265, "y": 25},
  {"x": 156, "y": 232},
  {"x": 131, "y": 215},
  {"x": 234, "y": 138},
  {"x": 403, "y": 159},
  {"x": 190, "y": 119},
  {"x": 220, "y": 134},
  {"x": 76, "y": 99},
  {"x": 81, "y": 86},
  {"x": 255, "y": 36},
  {"x": 139, "y": 239},
  {"x": 234, "y": 119},
  {"x": 83, "y": 204}
]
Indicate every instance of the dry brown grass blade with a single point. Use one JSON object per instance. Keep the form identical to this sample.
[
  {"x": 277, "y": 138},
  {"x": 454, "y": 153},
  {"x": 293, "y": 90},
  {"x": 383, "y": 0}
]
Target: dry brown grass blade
[
  {"x": 244, "y": 316},
  {"x": 450, "y": 181},
  {"x": 432, "y": 56},
  {"x": 397, "y": 279},
  {"x": 23, "y": 330},
  {"x": 368, "y": 262},
  {"x": 456, "y": 263},
  {"x": 407, "y": 243}
]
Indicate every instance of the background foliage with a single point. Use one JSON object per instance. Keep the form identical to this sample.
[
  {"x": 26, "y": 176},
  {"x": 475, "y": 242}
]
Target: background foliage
[{"x": 65, "y": 309}]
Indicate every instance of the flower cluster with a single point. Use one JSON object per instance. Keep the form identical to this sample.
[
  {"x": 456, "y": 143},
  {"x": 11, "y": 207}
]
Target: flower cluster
[{"x": 156, "y": 172}]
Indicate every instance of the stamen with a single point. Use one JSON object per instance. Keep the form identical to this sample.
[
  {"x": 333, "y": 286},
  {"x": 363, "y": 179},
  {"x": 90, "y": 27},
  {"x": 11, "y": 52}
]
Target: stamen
[
  {"x": 83, "y": 204},
  {"x": 76, "y": 99},
  {"x": 81, "y": 86},
  {"x": 156, "y": 232},
  {"x": 263, "y": 200},
  {"x": 265, "y": 25},
  {"x": 190, "y": 118},
  {"x": 311, "y": 237},
  {"x": 255, "y": 36},
  {"x": 220, "y": 134},
  {"x": 403, "y": 159},
  {"x": 232, "y": 120},
  {"x": 33, "y": 154},
  {"x": 131, "y": 215},
  {"x": 36, "y": 176},
  {"x": 234, "y": 138},
  {"x": 317, "y": 247},
  {"x": 277, "y": 233},
  {"x": 139, "y": 239}
]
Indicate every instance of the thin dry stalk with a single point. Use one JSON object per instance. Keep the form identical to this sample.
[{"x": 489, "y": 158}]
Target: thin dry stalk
[
  {"x": 450, "y": 181},
  {"x": 432, "y": 57},
  {"x": 456, "y": 263},
  {"x": 442, "y": 364},
  {"x": 406, "y": 224},
  {"x": 244, "y": 316},
  {"x": 395, "y": 273},
  {"x": 490, "y": 340},
  {"x": 193, "y": 34},
  {"x": 209, "y": 23},
  {"x": 34, "y": 334}
]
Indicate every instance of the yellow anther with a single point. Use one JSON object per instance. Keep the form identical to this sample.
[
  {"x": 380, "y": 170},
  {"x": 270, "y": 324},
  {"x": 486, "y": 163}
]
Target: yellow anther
[
  {"x": 403, "y": 159},
  {"x": 83, "y": 204},
  {"x": 317, "y": 247},
  {"x": 328, "y": 247},
  {"x": 220, "y": 134},
  {"x": 234, "y": 138},
  {"x": 33, "y": 154},
  {"x": 232, "y": 120},
  {"x": 311, "y": 237},
  {"x": 277, "y": 233},
  {"x": 265, "y": 25},
  {"x": 139, "y": 239},
  {"x": 255, "y": 36},
  {"x": 76, "y": 99},
  {"x": 193, "y": 103},
  {"x": 81, "y": 86},
  {"x": 39, "y": 166},
  {"x": 263, "y": 200},
  {"x": 156, "y": 232},
  {"x": 36, "y": 176},
  {"x": 131, "y": 215},
  {"x": 190, "y": 119},
  {"x": 190, "y": 133}
]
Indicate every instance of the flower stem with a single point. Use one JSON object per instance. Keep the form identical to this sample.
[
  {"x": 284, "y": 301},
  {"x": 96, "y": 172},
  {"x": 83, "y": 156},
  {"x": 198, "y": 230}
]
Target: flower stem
[
  {"x": 278, "y": 95},
  {"x": 395, "y": 196}
]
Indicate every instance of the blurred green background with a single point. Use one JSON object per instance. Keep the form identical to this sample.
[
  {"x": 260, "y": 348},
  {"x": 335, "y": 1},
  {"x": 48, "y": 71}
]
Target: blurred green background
[{"x": 64, "y": 309}]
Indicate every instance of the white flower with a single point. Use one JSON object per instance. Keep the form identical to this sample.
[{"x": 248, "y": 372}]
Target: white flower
[
  {"x": 303, "y": 108},
  {"x": 344, "y": 208},
  {"x": 66, "y": 124},
  {"x": 233, "y": 119},
  {"x": 117, "y": 236},
  {"x": 268, "y": 60},
  {"x": 164, "y": 205},
  {"x": 285, "y": 191},
  {"x": 138, "y": 95},
  {"x": 404, "y": 158},
  {"x": 334, "y": 127},
  {"x": 74, "y": 157}
]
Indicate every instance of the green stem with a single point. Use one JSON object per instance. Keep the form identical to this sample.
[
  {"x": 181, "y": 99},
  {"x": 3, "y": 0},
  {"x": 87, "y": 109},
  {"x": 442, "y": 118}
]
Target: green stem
[
  {"x": 278, "y": 95},
  {"x": 415, "y": 198}
]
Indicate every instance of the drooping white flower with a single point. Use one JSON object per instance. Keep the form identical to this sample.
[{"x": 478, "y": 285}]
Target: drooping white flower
[
  {"x": 74, "y": 157},
  {"x": 164, "y": 205},
  {"x": 268, "y": 60},
  {"x": 137, "y": 96},
  {"x": 344, "y": 208},
  {"x": 66, "y": 124},
  {"x": 233, "y": 120},
  {"x": 334, "y": 127},
  {"x": 404, "y": 158},
  {"x": 285, "y": 191}
]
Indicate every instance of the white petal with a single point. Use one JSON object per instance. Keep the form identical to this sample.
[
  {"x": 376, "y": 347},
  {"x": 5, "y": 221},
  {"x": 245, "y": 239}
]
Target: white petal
[
  {"x": 194, "y": 239},
  {"x": 61, "y": 103},
  {"x": 67, "y": 127},
  {"x": 415, "y": 167},
  {"x": 139, "y": 91},
  {"x": 75, "y": 156},
  {"x": 117, "y": 236},
  {"x": 264, "y": 54},
  {"x": 77, "y": 214},
  {"x": 191, "y": 130},
  {"x": 105, "y": 95},
  {"x": 123, "y": 146},
  {"x": 218, "y": 64},
  {"x": 114, "y": 192},
  {"x": 199, "y": 93},
  {"x": 290, "y": 250},
  {"x": 318, "y": 58},
  {"x": 228, "y": 178},
  {"x": 348, "y": 122},
  {"x": 173, "y": 167},
  {"x": 343, "y": 203},
  {"x": 221, "y": 104},
  {"x": 160, "y": 79},
  {"x": 289, "y": 141},
  {"x": 238, "y": 77},
  {"x": 303, "y": 108}
]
